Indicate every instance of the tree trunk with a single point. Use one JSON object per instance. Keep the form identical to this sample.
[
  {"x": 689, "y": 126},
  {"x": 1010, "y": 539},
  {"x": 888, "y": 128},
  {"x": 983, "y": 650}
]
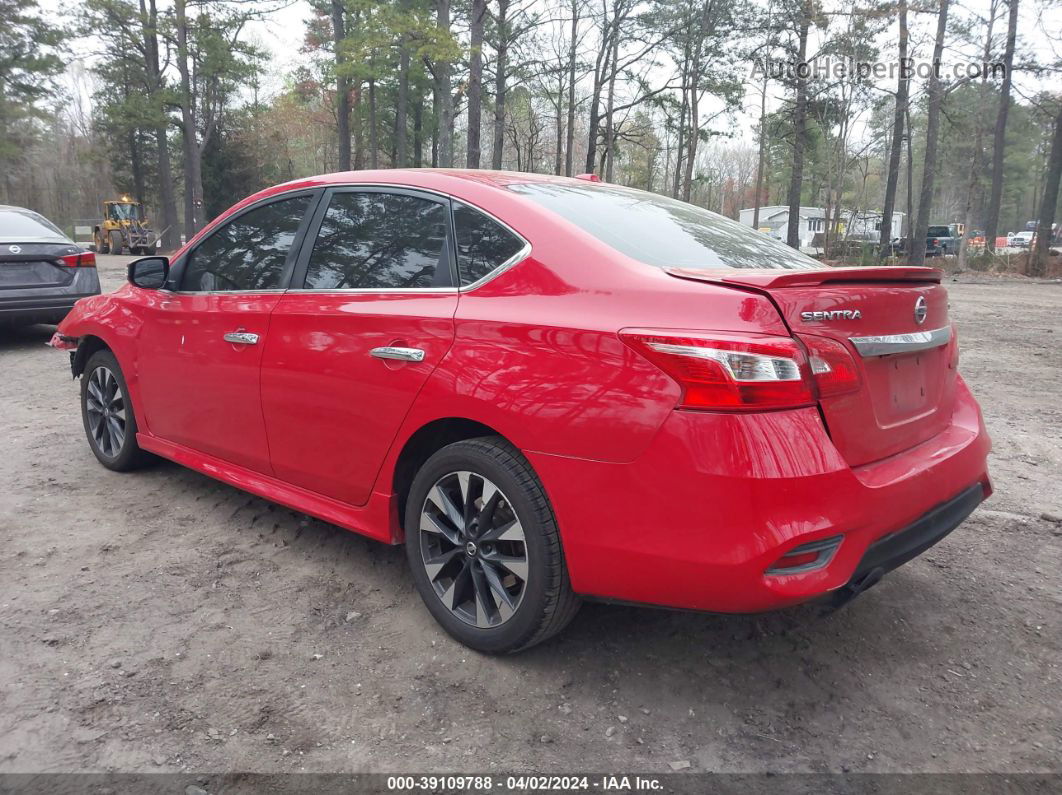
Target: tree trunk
[
  {"x": 558, "y": 160},
  {"x": 902, "y": 86},
  {"x": 910, "y": 181},
  {"x": 357, "y": 126},
  {"x": 475, "y": 84},
  {"x": 149, "y": 22},
  {"x": 761, "y": 154},
  {"x": 418, "y": 131},
  {"x": 800, "y": 112},
  {"x": 600, "y": 68},
  {"x": 1049, "y": 204},
  {"x": 995, "y": 197},
  {"x": 374, "y": 148},
  {"x": 973, "y": 184},
  {"x": 401, "y": 111},
  {"x": 434, "y": 123},
  {"x": 569, "y": 151},
  {"x": 443, "y": 72},
  {"x": 193, "y": 171},
  {"x": 936, "y": 98},
  {"x": 137, "y": 164},
  {"x": 610, "y": 120},
  {"x": 500, "y": 78},
  {"x": 342, "y": 86},
  {"x": 170, "y": 234},
  {"x": 704, "y": 29}
]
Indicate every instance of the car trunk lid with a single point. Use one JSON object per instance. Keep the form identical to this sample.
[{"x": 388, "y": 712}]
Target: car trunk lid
[
  {"x": 34, "y": 265},
  {"x": 894, "y": 322}
]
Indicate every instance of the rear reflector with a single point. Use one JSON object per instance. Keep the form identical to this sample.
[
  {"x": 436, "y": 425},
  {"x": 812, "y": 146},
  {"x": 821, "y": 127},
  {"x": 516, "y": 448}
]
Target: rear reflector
[
  {"x": 86, "y": 259},
  {"x": 728, "y": 372},
  {"x": 806, "y": 557}
]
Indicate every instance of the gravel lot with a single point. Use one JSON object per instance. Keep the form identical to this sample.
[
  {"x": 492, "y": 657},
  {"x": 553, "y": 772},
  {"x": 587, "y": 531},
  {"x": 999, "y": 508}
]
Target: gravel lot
[{"x": 162, "y": 621}]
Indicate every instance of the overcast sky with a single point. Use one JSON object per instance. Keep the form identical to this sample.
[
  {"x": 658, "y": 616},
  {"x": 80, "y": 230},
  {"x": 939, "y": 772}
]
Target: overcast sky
[{"x": 1040, "y": 36}]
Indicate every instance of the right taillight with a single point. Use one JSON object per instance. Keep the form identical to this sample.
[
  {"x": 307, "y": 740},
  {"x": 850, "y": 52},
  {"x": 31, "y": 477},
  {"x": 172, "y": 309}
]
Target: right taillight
[{"x": 834, "y": 370}]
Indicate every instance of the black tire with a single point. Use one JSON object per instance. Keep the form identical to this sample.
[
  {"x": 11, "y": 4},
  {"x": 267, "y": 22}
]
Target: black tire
[
  {"x": 116, "y": 242},
  {"x": 544, "y": 603},
  {"x": 103, "y": 245},
  {"x": 120, "y": 455}
]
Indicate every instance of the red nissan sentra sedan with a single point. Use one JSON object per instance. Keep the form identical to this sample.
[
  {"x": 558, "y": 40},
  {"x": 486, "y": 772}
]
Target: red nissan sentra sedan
[{"x": 547, "y": 388}]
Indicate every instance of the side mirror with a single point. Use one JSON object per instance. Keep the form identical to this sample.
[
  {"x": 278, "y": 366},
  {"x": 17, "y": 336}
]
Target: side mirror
[{"x": 149, "y": 273}]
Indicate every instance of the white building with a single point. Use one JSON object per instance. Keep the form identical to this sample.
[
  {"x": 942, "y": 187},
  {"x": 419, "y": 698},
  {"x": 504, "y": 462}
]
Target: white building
[{"x": 774, "y": 221}]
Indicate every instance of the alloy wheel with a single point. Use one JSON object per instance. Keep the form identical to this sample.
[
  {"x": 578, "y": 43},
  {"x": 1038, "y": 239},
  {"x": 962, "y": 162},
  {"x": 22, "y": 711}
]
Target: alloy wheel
[
  {"x": 473, "y": 549},
  {"x": 105, "y": 406}
]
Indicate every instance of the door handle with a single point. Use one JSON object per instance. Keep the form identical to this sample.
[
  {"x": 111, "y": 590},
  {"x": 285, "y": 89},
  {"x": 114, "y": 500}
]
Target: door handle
[
  {"x": 401, "y": 354},
  {"x": 241, "y": 338}
]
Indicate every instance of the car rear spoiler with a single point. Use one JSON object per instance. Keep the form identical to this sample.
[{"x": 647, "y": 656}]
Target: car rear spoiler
[{"x": 769, "y": 279}]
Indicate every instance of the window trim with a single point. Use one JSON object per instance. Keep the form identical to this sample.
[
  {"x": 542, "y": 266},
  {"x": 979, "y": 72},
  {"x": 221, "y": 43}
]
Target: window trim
[
  {"x": 307, "y": 235},
  {"x": 177, "y": 268},
  {"x": 298, "y": 275},
  {"x": 515, "y": 259}
]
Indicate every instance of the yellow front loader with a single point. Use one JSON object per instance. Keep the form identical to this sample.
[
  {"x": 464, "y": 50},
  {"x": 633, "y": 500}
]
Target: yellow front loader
[{"x": 124, "y": 228}]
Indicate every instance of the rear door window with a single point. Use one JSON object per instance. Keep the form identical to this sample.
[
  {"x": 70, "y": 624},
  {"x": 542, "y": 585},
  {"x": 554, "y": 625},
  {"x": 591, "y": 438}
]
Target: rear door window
[
  {"x": 483, "y": 244},
  {"x": 380, "y": 241},
  {"x": 248, "y": 253},
  {"x": 661, "y": 231}
]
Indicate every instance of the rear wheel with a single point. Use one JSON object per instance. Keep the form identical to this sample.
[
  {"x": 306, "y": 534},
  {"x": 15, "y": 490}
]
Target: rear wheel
[
  {"x": 116, "y": 242},
  {"x": 103, "y": 243},
  {"x": 107, "y": 412},
  {"x": 484, "y": 548}
]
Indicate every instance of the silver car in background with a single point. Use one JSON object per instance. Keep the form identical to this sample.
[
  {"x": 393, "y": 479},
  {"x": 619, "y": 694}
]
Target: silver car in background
[{"x": 42, "y": 271}]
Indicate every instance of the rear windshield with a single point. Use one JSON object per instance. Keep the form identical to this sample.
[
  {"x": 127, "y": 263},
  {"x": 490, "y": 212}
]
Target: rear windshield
[
  {"x": 661, "y": 231},
  {"x": 26, "y": 226},
  {"x": 939, "y": 231}
]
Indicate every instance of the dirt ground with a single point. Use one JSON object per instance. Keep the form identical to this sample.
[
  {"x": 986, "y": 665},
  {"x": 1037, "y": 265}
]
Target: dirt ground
[{"x": 162, "y": 621}]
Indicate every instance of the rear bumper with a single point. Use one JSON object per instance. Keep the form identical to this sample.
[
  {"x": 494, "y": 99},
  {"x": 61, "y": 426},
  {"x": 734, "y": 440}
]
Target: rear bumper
[
  {"x": 716, "y": 500},
  {"x": 47, "y": 304},
  {"x": 41, "y": 310},
  {"x": 897, "y": 548}
]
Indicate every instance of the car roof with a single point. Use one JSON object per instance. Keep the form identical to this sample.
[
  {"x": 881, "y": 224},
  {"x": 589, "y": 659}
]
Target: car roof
[{"x": 443, "y": 180}]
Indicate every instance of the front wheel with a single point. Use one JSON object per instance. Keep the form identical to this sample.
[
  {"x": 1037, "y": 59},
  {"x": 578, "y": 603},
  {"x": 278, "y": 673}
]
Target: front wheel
[
  {"x": 107, "y": 413},
  {"x": 484, "y": 548}
]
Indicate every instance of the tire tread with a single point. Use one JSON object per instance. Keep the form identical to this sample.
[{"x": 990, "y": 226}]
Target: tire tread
[{"x": 561, "y": 603}]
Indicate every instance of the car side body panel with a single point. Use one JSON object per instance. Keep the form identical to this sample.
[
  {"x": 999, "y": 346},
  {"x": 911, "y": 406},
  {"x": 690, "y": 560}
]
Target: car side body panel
[{"x": 333, "y": 409}]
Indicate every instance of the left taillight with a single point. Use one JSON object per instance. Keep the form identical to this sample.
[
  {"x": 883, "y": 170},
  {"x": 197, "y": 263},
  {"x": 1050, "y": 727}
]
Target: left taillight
[
  {"x": 722, "y": 371},
  {"x": 84, "y": 259},
  {"x": 728, "y": 372}
]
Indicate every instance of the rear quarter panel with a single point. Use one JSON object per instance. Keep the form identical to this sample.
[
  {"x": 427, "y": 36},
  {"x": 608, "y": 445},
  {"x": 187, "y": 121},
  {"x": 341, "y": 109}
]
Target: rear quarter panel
[{"x": 537, "y": 355}]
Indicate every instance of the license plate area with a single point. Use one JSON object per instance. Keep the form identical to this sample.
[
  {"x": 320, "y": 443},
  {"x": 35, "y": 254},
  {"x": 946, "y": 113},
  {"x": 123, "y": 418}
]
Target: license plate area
[{"x": 909, "y": 390}]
